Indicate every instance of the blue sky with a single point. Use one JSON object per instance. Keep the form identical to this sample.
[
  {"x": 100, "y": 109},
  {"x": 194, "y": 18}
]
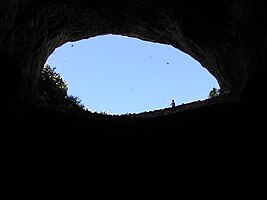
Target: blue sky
[{"x": 119, "y": 75}]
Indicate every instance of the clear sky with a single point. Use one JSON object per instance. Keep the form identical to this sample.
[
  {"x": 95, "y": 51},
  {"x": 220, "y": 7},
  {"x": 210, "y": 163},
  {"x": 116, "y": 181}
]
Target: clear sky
[{"x": 120, "y": 75}]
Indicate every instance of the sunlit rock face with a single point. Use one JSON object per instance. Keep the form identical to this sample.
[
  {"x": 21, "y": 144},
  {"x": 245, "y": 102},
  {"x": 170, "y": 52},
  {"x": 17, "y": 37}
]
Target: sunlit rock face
[{"x": 227, "y": 37}]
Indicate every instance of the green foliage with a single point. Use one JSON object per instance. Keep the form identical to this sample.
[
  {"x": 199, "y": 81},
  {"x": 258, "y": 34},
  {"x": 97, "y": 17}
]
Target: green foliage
[
  {"x": 103, "y": 113},
  {"x": 52, "y": 89},
  {"x": 74, "y": 102},
  {"x": 214, "y": 92}
]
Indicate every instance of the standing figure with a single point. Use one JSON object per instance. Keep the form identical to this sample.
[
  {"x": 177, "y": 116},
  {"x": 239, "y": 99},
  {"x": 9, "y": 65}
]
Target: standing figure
[{"x": 173, "y": 104}]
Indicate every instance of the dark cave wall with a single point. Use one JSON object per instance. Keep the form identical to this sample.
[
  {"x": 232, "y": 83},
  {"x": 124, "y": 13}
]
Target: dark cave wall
[
  {"x": 226, "y": 37},
  {"x": 219, "y": 144}
]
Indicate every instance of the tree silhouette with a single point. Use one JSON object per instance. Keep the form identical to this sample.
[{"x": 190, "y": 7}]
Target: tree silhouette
[
  {"x": 52, "y": 89},
  {"x": 214, "y": 92}
]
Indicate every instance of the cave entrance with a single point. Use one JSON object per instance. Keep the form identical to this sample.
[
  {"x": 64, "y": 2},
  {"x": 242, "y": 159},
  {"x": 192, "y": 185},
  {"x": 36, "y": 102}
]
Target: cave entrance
[{"x": 119, "y": 75}]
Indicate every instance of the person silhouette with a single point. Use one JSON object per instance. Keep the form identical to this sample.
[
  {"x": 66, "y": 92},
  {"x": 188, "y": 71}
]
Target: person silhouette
[{"x": 172, "y": 104}]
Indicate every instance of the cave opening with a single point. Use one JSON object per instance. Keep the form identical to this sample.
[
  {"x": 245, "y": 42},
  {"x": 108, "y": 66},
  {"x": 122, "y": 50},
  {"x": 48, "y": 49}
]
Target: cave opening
[{"x": 114, "y": 74}]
